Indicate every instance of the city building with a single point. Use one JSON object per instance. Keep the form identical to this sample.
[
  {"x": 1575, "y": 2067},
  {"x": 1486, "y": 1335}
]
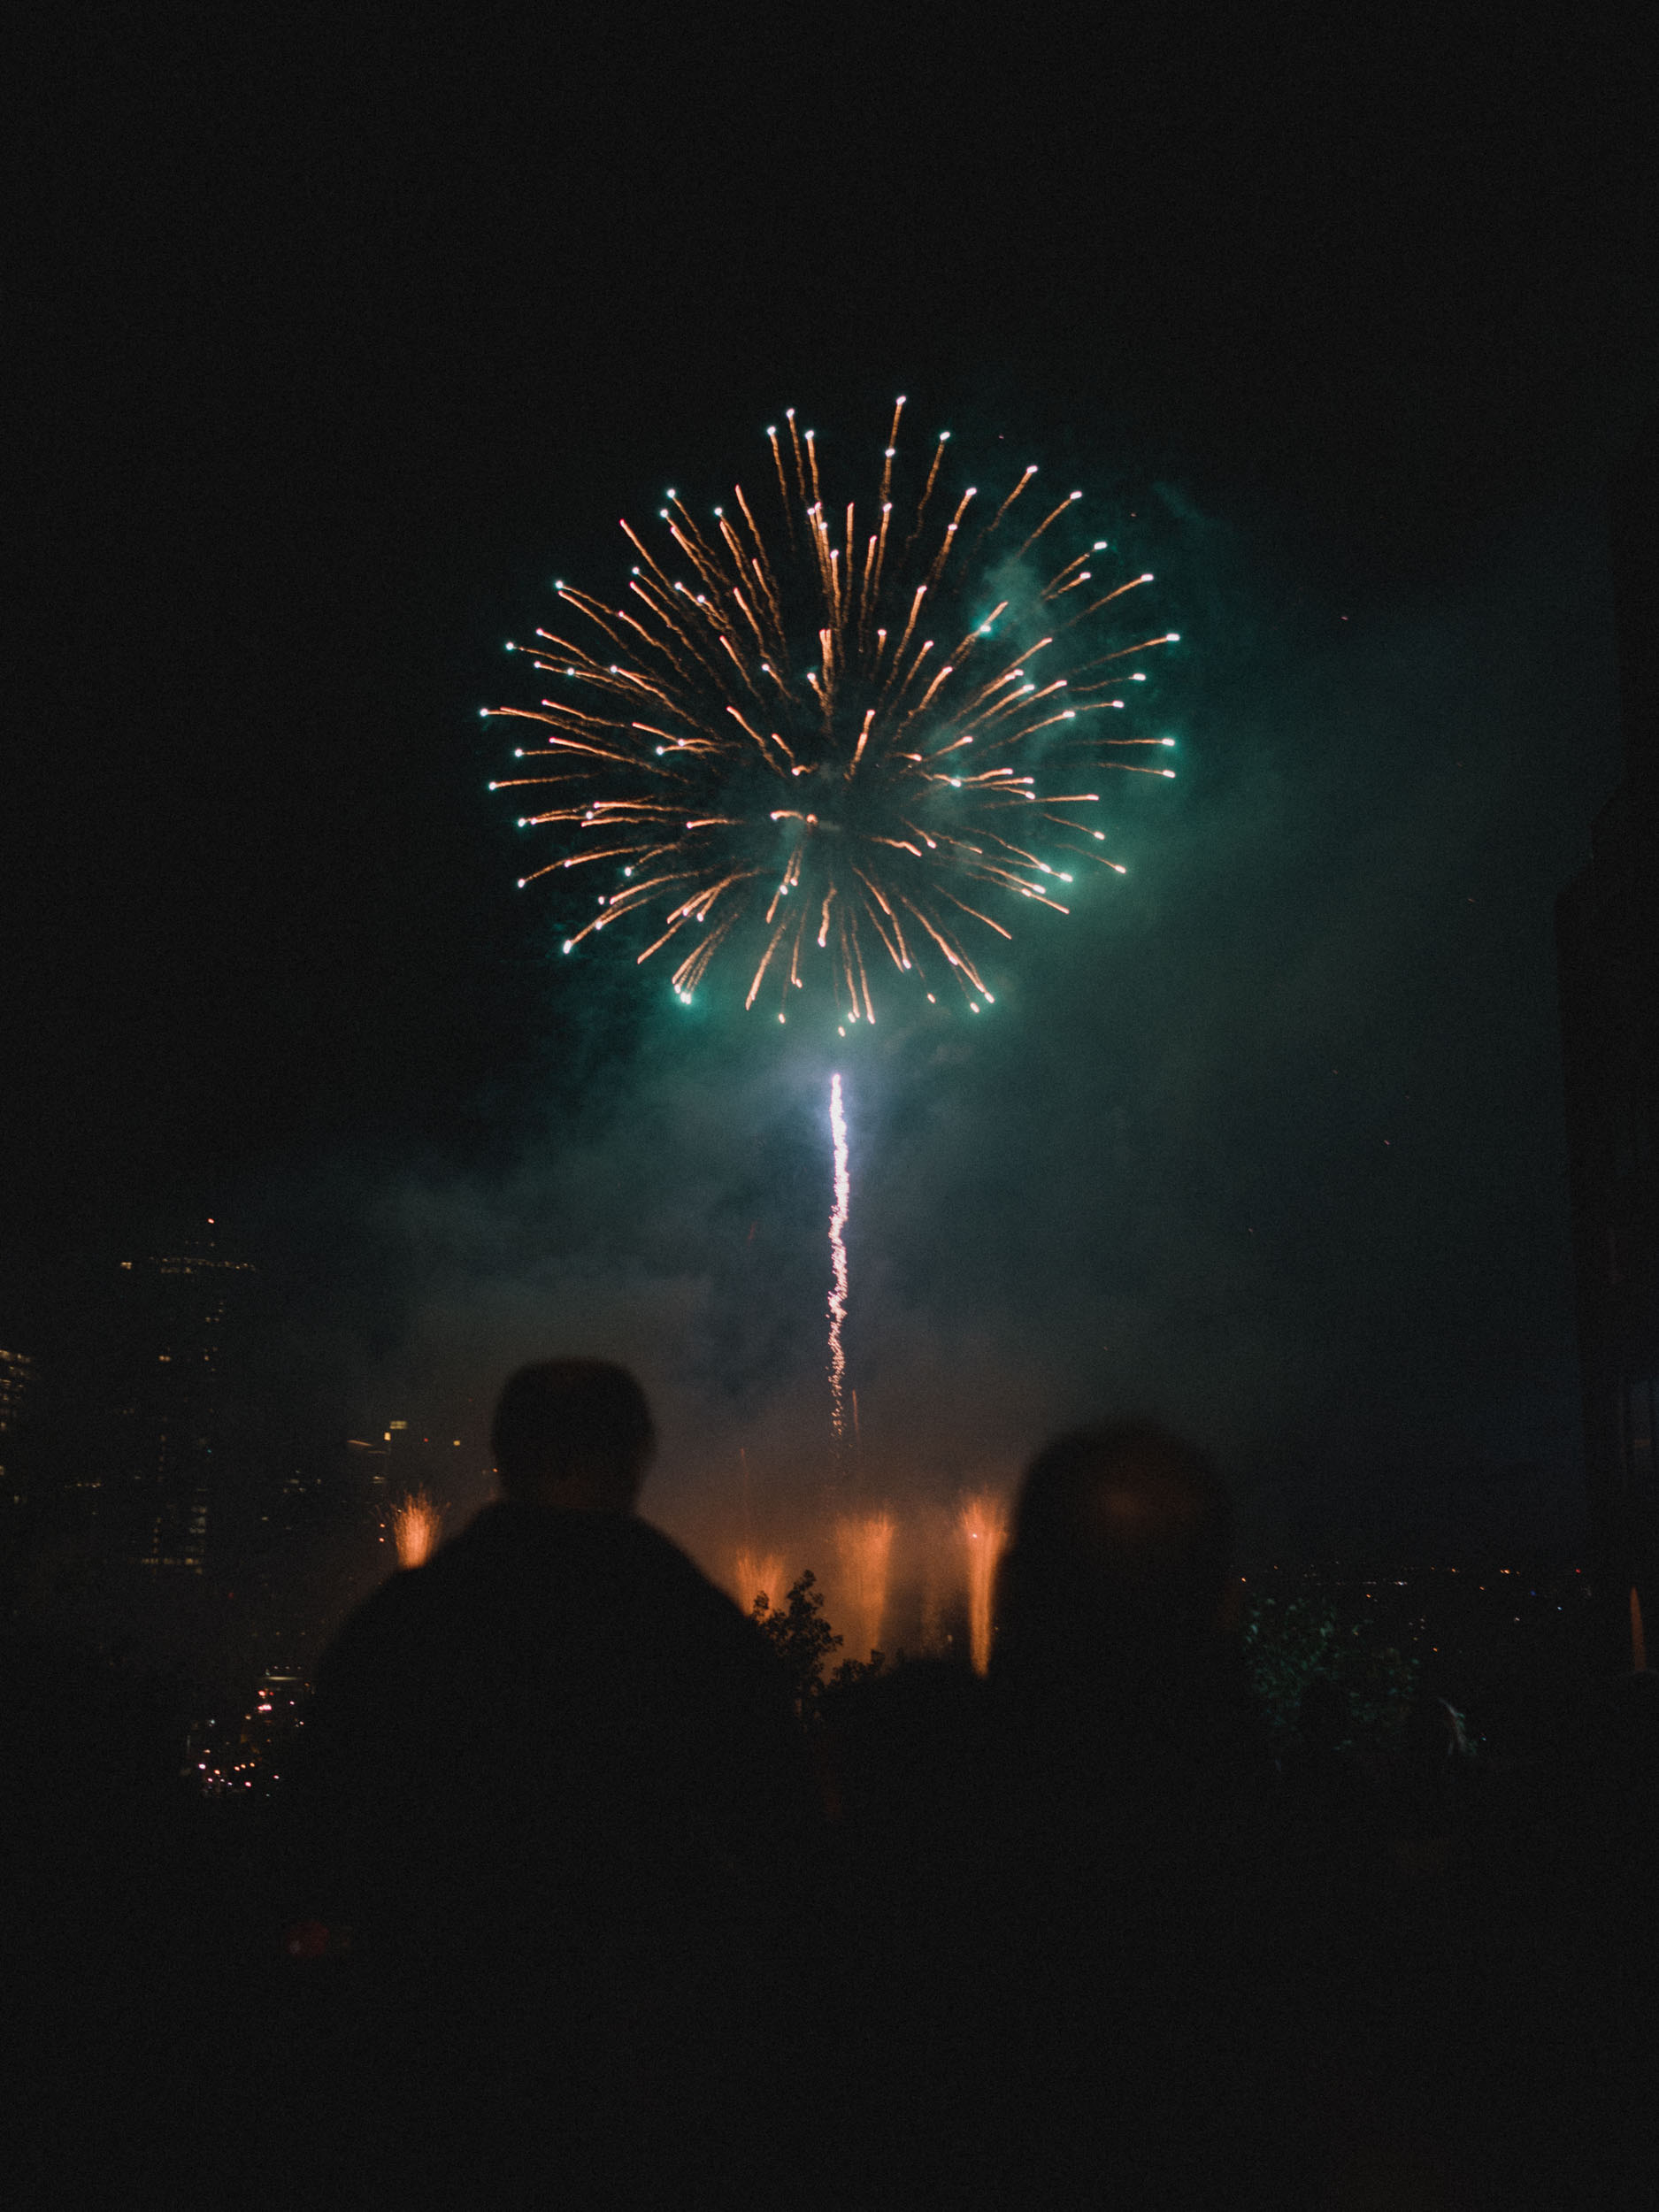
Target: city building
[
  {"x": 247, "y": 1752},
  {"x": 173, "y": 1422},
  {"x": 1607, "y": 924},
  {"x": 19, "y": 1377}
]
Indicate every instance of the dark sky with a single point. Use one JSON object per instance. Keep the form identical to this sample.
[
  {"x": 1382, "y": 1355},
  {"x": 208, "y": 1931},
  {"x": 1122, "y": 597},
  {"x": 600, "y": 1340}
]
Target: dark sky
[{"x": 336, "y": 331}]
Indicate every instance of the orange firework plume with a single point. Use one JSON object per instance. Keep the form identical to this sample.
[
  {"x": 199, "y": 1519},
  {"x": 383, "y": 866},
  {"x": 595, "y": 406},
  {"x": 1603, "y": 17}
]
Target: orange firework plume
[
  {"x": 984, "y": 1525},
  {"x": 865, "y": 1544},
  {"x": 848, "y": 739},
  {"x": 757, "y": 1575},
  {"x": 415, "y": 1527}
]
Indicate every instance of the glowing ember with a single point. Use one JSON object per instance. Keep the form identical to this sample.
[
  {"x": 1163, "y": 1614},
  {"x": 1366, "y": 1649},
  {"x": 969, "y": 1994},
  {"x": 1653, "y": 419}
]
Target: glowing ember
[
  {"x": 984, "y": 1525},
  {"x": 865, "y": 1544},
  {"x": 415, "y": 1527}
]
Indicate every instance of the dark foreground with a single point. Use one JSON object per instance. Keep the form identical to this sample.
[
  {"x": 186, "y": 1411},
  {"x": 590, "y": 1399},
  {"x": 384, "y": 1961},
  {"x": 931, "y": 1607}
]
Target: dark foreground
[{"x": 1164, "y": 1963}]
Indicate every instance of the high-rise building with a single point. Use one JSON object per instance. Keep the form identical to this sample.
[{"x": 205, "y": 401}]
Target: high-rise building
[
  {"x": 18, "y": 1377},
  {"x": 172, "y": 1419},
  {"x": 1607, "y": 926}
]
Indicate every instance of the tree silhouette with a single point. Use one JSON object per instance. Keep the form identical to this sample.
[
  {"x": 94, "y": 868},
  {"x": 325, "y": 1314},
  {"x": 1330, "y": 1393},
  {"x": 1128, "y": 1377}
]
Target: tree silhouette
[{"x": 803, "y": 1638}]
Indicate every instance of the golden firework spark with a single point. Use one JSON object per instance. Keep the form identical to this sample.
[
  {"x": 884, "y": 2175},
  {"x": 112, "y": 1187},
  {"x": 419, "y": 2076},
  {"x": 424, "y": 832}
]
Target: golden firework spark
[{"x": 846, "y": 742}]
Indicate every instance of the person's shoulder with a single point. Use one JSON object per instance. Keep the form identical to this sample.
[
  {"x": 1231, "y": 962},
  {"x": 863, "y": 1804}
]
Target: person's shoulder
[
  {"x": 382, "y": 1618},
  {"x": 687, "y": 1618},
  {"x": 683, "y": 1584},
  {"x": 405, "y": 1609},
  {"x": 668, "y": 1558},
  {"x": 617, "y": 1554}
]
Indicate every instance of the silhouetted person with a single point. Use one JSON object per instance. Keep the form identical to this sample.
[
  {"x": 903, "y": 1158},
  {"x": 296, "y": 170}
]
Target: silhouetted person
[
  {"x": 1116, "y": 1599},
  {"x": 554, "y": 1778},
  {"x": 1050, "y": 1957},
  {"x": 1142, "y": 1922}
]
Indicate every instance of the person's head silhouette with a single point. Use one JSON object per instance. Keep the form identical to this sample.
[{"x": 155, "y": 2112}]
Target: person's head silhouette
[
  {"x": 1118, "y": 1572},
  {"x": 574, "y": 1434}
]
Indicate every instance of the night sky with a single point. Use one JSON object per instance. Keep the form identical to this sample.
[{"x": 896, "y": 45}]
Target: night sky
[{"x": 335, "y": 335}]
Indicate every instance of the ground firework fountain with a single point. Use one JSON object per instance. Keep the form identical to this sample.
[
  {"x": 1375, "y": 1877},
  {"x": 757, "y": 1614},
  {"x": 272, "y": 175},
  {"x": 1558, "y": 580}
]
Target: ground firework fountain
[
  {"x": 757, "y": 1575},
  {"x": 415, "y": 1526},
  {"x": 865, "y": 1542},
  {"x": 984, "y": 1525}
]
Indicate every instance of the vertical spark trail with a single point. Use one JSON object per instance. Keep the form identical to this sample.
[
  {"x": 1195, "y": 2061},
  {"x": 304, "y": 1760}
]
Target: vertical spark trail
[
  {"x": 984, "y": 1526},
  {"x": 837, "y": 1264},
  {"x": 415, "y": 1526}
]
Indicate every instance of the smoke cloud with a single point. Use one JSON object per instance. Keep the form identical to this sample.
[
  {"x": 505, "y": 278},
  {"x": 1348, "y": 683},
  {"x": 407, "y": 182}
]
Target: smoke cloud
[{"x": 1263, "y": 1141}]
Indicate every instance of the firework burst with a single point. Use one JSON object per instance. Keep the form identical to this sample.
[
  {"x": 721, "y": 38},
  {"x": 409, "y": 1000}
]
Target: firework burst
[{"x": 837, "y": 743}]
